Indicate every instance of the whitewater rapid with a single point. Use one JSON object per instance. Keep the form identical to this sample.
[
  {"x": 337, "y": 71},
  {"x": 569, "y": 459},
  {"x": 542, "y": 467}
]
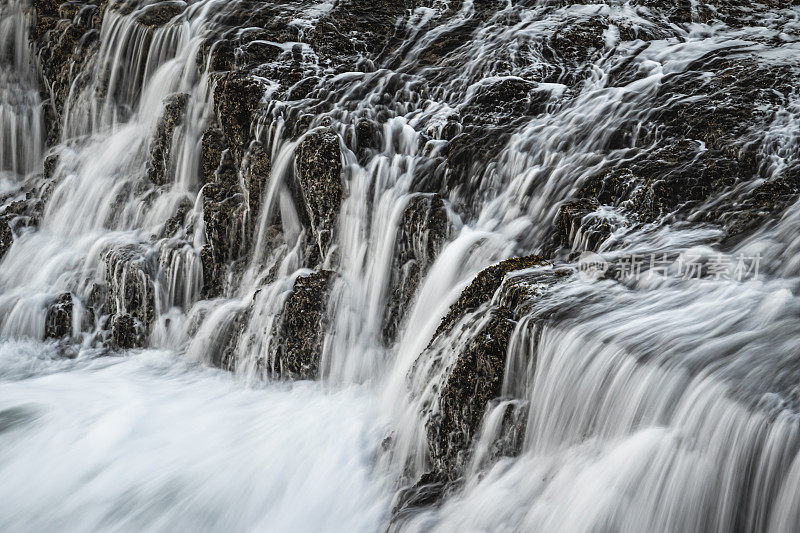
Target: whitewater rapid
[
  {"x": 648, "y": 405},
  {"x": 149, "y": 442}
]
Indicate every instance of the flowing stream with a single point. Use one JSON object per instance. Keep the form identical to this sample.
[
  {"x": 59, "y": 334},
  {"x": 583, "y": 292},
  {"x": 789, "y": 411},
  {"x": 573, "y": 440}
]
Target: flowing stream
[{"x": 665, "y": 404}]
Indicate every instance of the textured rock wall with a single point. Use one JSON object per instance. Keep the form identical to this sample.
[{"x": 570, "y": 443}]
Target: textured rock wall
[{"x": 685, "y": 159}]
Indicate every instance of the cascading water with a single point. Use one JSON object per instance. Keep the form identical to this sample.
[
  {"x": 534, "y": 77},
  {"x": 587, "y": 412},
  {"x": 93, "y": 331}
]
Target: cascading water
[
  {"x": 276, "y": 190},
  {"x": 21, "y": 124}
]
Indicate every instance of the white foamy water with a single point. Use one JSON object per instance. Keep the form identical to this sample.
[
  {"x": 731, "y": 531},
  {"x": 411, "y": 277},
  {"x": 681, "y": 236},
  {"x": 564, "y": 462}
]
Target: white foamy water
[
  {"x": 650, "y": 405},
  {"x": 147, "y": 442}
]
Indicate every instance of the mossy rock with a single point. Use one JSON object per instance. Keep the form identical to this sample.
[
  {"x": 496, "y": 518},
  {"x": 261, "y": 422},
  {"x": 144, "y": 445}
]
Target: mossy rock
[
  {"x": 473, "y": 375},
  {"x": 236, "y": 98},
  {"x": 424, "y": 229},
  {"x": 302, "y": 327},
  {"x": 129, "y": 275},
  {"x": 257, "y": 168},
  {"x": 483, "y": 287},
  {"x": 159, "y": 166},
  {"x": 159, "y": 14},
  {"x": 178, "y": 221},
  {"x": 474, "y": 380},
  {"x": 58, "y": 321},
  {"x": 6, "y": 237},
  {"x": 213, "y": 144},
  {"x": 126, "y": 333},
  {"x": 319, "y": 175}
]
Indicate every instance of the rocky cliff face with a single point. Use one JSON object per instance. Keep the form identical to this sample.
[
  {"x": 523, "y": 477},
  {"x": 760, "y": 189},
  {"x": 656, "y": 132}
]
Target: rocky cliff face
[{"x": 309, "y": 116}]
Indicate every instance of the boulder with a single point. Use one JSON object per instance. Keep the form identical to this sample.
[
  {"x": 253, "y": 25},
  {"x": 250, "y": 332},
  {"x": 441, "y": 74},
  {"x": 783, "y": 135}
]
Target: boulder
[
  {"x": 6, "y": 237},
  {"x": 58, "y": 321},
  {"x": 302, "y": 327},
  {"x": 158, "y": 14},
  {"x": 423, "y": 232},
  {"x": 126, "y": 333},
  {"x": 236, "y": 99},
  {"x": 159, "y": 166},
  {"x": 466, "y": 357},
  {"x": 319, "y": 168}
]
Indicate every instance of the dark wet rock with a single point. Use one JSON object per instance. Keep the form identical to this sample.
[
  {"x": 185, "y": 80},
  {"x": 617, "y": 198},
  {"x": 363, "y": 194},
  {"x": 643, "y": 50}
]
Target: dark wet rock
[
  {"x": 302, "y": 328},
  {"x": 762, "y": 203},
  {"x": 496, "y": 109},
  {"x": 573, "y": 226},
  {"x": 58, "y": 322},
  {"x": 511, "y": 434},
  {"x": 222, "y": 350},
  {"x": 721, "y": 109},
  {"x": 50, "y": 165},
  {"x": 65, "y": 41},
  {"x": 158, "y": 169},
  {"x": 735, "y": 13},
  {"x": 257, "y": 53},
  {"x": 484, "y": 286},
  {"x": 476, "y": 378},
  {"x": 483, "y": 319},
  {"x": 679, "y": 11},
  {"x": 218, "y": 55},
  {"x": 22, "y": 209},
  {"x": 572, "y": 46},
  {"x": 319, "y": 169},
  {"x": 423, "y": 232},
  {"x": 225, "y": 215},
  {"x": 696, "y": 153},
  {"x": 178, "y": 221},
  {"x": 236, "y": 99},
  {"x": 509, "y": 95},
  {"x": 126, "y": 333},
  {"x": 213, "y": 144},
  {"x": 357, "y": 28},
  {"x": 463, "y": 171},
  {"x": 256, "y": 172},
  {"x": 129, "y": 274},
  {"x": 6, "y": 237},
  {"x": 212, "y": 284},
  {"x": 427, "y": 491},
  {"x": 446, "y": 47},
  {"x": 156, "y": 15}
]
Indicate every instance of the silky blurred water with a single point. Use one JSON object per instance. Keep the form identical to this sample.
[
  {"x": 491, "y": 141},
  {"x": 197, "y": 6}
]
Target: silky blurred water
[
  {"x": 147, "y": 442},
  {"x": 652, "y": 405}
]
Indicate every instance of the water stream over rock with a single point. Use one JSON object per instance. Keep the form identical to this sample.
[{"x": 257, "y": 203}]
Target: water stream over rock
[{"x": 489, "y": 265}]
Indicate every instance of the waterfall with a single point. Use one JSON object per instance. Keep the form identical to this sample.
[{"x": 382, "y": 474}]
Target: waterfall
[
  {"x": 21, "y": 122},
  {"x": 281, "y": 266}
]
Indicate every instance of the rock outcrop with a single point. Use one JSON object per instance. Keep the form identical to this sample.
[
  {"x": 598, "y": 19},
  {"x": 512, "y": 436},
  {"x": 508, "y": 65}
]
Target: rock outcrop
[
  {"x": 236, "y": 98},
  {"x": 319, "y": 170},
  {"x": 423, "y": 232},
  {"x": 58, "y": 322},
  {"x": 129, "y": 293},
  {"x": 6, "y": 237},
  {"x": 126, "y": 332},
  {"x": 480, "y": 322},
  {"x": 66, "y": 41},
  {"x": 703, "y": 154},
  {"x": 159, "y": 166},
  {"x": 302, "y": 327},
  {"x": 466, "y": 358}
]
